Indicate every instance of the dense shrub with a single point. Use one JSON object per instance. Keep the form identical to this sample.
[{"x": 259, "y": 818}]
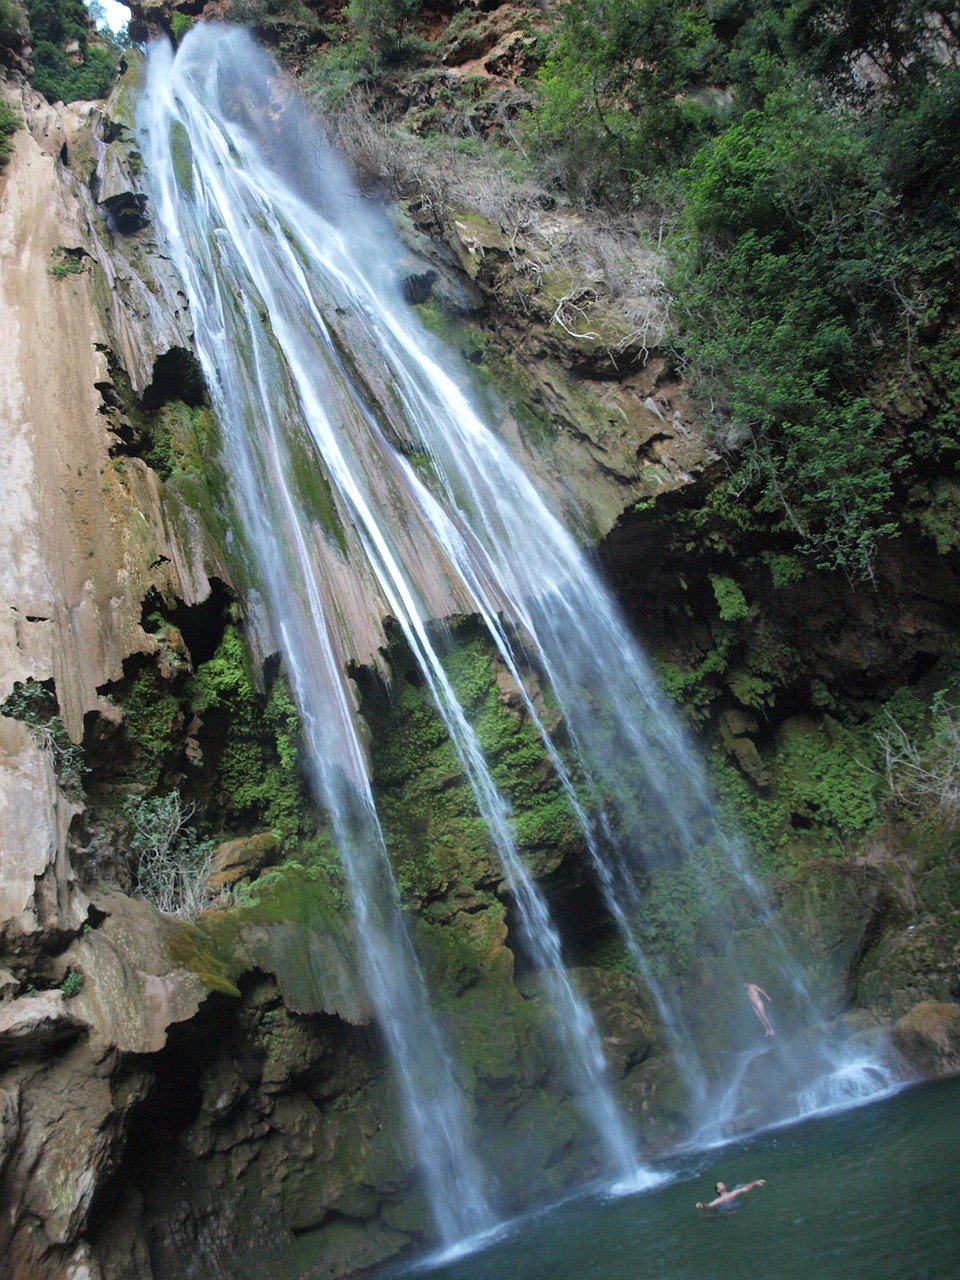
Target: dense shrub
[
  {"x": 61, "y": 76},
  {"x": 9, "y": 123},
  {"x": 813, "y": 150}
]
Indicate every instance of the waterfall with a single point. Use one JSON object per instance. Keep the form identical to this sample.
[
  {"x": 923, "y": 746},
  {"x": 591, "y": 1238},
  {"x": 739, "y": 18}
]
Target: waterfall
[
  {"x": 368, "y": 486},
  {"x": 259, "y": 407}
]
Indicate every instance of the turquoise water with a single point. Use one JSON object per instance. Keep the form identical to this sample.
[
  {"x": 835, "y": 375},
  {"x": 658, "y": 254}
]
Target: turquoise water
[{"x": 871, "y": 1192}]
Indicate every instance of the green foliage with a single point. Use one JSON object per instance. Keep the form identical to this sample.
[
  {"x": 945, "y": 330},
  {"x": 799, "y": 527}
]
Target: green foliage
[
  {"x": 936, "y": 506},
  {"x": 173, "y": 863},
  {"x": 72, "y": 984},
  {"x": 88, "y": 73},
  {"x": 382, "y": 23},
  {"x": 922, "y": 764},
  {"x": 153, "y": 719},
  {"x": 433, "y": 828},
  {"x": 254, "y": 741},
  {"x": 823, "y": 777},
  {"x": 180, "y": 24},
  {"x": 613, "y": 86},
  {"x": 818, "y": 238},
  {"x": 13, "y": 24},
  {"x": 696, "y": 688},
  {"x": 780, "y": 285},
  {"x": 785, "y": 569},
  {"x": 680, "y": 904},
  {"x": 10, "y": 122},
  {"x": 333, "y": 77},
  {"x": 452, "y": 963},
  {"x": 35, "y": 703},
  {"x": 176, "y": 438},
  {"x": 761, "y": 817},
  {"x": 730, "y": 599},
  {"x": 69, "y": 262}
]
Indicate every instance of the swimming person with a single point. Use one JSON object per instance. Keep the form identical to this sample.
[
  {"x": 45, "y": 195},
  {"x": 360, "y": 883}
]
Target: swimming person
[
  {"x": 726, "y": 1200},
  {"x": 753, "y": 995}
]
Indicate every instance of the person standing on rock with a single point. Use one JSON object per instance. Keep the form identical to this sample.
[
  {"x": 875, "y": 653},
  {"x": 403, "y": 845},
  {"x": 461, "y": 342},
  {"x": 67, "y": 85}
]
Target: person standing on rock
[{"x": 754, "y": 994}]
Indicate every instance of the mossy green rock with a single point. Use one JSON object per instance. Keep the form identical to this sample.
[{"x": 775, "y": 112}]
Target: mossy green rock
[
  {"x": 831, "y": 913},
  {"x": 929, "y": 1038},
  {"x": 918, "y": 964}
]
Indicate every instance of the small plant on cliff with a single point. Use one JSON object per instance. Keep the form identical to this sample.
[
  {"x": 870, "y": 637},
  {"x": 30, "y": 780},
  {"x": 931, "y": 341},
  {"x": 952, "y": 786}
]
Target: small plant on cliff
[
  {"x": 72, "y": 984},
  {"x": 173, "y": 863},
  {"x": 36, "y": 705},
  {"x": 925, "y": 775},
  {"x": 69, "y": 262},
  {"x": 383, "y": 23},
  {"x": 10, "y": 122},
  {"x": 180, "y": 24}
]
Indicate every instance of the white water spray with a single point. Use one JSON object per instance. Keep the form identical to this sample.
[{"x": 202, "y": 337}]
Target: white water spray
[{"x": 311, "y": 354}]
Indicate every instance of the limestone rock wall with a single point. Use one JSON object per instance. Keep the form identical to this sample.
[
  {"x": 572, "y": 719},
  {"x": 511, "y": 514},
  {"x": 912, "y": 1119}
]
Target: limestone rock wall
[{"x": 83, "y": 540}]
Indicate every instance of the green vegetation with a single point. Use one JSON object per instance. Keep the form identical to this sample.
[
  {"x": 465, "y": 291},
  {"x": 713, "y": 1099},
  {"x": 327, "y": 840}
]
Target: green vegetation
[
  {"x": 69, "y": 262},
  {"x": 153, "y": 721},
  {"x": 180, "y": 24},
  {"x": 816, "y": 244},
  {"x": 172, "y": 861},
  {"x": 922, "y": 769},
  {"x": 71, "y": 62},
  {"x": 252, "y": 740},
  {"x": 616, "y": 107},
  {"x": 436, "y": 837},
  {"x": 10, "y": 122},
  {"x": 382, "y": 24},
  {"x": 72, "y": 984},
  {"x": 13, "y": 24},
  {"x": 35, "y": 703}
]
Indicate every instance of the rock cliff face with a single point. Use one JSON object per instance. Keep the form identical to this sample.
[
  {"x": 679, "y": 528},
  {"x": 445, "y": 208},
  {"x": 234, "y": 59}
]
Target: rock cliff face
[
  {"x": 88, "y": 533},
  {"x": 174, "y": 1091}
]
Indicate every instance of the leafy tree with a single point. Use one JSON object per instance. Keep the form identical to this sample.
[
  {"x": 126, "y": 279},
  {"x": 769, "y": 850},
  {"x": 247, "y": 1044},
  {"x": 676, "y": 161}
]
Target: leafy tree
[
  {"x": 814, "y": 266},
  {"x": 614, "y": 85},
  {"x": 787, "y": 276},
  {"x": 383, "y": 23},
  {"x": 61, "y": 76},
  {"x": 865, "y": 47},
  {"x": 13, "y": 24},
  {"x": 173, "y": 863}
]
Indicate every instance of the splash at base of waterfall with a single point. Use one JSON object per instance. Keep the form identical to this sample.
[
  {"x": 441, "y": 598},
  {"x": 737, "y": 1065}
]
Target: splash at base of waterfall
[{"x": 772, "y": 1085}]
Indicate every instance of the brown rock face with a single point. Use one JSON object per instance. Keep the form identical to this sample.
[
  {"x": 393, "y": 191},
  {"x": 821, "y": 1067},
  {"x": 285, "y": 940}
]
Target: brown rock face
[
  {"x": 82, "y": 541},
  {"x": 238, "y": 860},
  {"x": 929, "y": 1038}
]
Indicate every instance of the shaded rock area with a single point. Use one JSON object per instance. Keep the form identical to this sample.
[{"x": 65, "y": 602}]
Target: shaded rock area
[{"x": 929, "y": 1038}]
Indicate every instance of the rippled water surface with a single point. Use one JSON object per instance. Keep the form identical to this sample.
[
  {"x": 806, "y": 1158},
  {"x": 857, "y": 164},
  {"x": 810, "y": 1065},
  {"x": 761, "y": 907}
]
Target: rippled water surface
[{"x": 870, "y": 1192}]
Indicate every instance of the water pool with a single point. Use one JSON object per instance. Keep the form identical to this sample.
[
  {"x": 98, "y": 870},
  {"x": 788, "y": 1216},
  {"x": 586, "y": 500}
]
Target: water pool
[{"x": 869, "y": 1192}]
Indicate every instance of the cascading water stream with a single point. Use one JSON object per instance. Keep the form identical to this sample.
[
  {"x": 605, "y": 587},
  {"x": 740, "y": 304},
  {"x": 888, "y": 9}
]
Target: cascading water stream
[
  {"x": 311, "y": 353},
  {"x": 288, "y": 571},
  {"x": 231, "y": 226}
]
